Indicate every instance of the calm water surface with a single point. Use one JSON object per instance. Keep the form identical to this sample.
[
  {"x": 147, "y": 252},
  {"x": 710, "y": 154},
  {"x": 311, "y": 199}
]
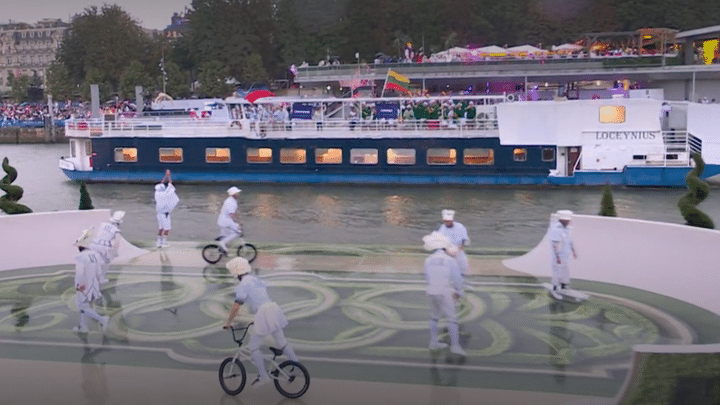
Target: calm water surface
[{"x": 496, "y": 217}]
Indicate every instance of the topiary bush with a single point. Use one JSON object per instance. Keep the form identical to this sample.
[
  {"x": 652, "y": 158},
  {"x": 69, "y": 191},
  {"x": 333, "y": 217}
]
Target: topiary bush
[
  {"x": 85, "y": 201},
  {"x": 9, "y": 201},
  {"x": 698, "y": 191},
  {"x": 607, "y": 205}
]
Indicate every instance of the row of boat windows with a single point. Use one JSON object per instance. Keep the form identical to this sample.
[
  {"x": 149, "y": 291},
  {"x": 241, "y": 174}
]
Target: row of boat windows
[{"x": 330, "y": 156}]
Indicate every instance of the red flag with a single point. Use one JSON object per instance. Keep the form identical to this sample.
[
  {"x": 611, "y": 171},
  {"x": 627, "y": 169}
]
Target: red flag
[{"x": 256, "y": 94}]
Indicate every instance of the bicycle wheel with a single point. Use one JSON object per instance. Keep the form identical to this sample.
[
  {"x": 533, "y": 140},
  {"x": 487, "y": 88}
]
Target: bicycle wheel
[
  {"x": 211, "y": 253},
  {"x": 232, "y": 376},
  {"x": 293, "y": 381},
  {"x": 247, "y": 251}
]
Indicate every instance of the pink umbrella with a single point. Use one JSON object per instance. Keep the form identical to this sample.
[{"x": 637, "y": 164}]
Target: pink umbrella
[{"x": 256, "y": 94}]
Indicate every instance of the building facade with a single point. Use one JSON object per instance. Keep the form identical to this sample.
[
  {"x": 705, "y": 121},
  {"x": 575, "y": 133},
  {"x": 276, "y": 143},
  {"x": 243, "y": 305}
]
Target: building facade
[{"x": 28, "y": 50}]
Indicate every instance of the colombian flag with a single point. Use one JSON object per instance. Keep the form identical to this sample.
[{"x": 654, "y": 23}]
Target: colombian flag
[{"x": 397, "y": 82}]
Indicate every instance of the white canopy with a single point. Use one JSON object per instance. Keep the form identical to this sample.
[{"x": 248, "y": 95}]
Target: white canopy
[
  {"x": 490, "y": 50},
  {"x": 457, "y": 51},
  {"x": 525, "y": 49},
  {"x": 567, "y": 48}
]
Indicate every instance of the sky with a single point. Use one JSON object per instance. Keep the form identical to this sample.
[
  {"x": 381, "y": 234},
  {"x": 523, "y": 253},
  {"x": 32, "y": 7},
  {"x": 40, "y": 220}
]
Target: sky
[{"x": 152, "y": 14}]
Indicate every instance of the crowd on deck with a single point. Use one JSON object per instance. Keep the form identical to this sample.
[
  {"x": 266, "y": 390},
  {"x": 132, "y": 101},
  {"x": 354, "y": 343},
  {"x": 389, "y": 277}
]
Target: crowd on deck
[{"x": 34, "y": 115}]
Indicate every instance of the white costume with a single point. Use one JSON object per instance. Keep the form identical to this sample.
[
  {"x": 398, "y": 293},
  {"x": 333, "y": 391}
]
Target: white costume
[
  {"x": 443, "y": 281},
  {"x": 87, "y": 284},
  {"x": 561, "y": 247},
  {"x": 165, "y": 201},
  {"x": 107, "y": 242},
  {"x": 269, "y": 318},
  {"x": 229, "y": 229},
  {"x": 458, "y": 236}
]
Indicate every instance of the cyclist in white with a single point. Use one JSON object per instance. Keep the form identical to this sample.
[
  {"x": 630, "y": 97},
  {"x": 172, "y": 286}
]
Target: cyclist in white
[
  {"x": 87, "y": 285},
  {"x": 165, "y": 201},
  {"x": 269, "y": 318},
  {"x": 230, "y": 226},
  {"x": 107, "y": 242},
  {"x": 444, "y": 286},
  {"x": 561, "y": 247},
  {"x": 456, "y": 232}
]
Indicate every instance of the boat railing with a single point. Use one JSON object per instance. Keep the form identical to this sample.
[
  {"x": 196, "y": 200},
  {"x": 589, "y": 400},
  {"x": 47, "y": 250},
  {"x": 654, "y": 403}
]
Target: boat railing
[
  {"x": 379, "y": 125},
  {"x": 676, "y": 151}
]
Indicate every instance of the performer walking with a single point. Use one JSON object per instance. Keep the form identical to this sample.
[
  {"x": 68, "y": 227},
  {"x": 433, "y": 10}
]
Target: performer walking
[
  {"x": 87, "y": 285},
  {"x": 165, "y": 201},
  {"x": 561, "y": 246}
]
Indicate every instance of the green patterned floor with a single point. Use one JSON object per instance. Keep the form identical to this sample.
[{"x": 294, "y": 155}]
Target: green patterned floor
[{"x": 363, "y": 327}]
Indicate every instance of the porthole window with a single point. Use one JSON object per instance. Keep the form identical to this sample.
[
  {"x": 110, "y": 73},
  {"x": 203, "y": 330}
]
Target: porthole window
[
  {"x": 126, "y": 154},
  {"x": 259, "y": 155},
  {"x": 478, "y": 156},
  {"x": 441, "y": 156},
  {"x": 293, "y": 155},
  {"x": 548, "y": 154},
  {"x": 401, "y": 156},
  {"x": 217, "y": 155},
  {"x": 171, "y": 155},
  {"x": 363, "y": 156},
  {"x": 328, "y": 156},
  {"x": 519, "y": 154}
]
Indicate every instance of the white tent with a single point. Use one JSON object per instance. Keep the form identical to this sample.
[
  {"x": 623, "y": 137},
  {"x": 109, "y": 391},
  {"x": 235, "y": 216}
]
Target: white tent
[
  {"x": 491, "y": 50},
  {"x": 567, "y": 48},
  {"x": 525, "y": 50}
]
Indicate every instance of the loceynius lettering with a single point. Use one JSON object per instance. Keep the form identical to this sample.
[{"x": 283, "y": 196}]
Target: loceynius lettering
[{"x": 625, "y": 135}]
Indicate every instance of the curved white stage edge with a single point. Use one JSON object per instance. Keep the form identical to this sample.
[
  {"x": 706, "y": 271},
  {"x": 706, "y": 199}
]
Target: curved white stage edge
[
  {"x": 675, "y": 260},
  {"x": 46, "y": 239}
]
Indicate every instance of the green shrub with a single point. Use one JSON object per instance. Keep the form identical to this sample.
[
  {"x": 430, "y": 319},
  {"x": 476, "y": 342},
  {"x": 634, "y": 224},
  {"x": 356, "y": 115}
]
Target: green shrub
[
  {"x": 698, "y": 191},
  {"x": 9, "y": 201},
  {"x": 607, "y": 205},
  {"x": 85, "y": 201}
]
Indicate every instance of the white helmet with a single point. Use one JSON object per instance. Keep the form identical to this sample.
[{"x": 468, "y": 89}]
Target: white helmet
[
  {"x": 233, "y": 190},
  {"x": 117, "y": 217},
  {"x": 85, "y": 239},
  {"x": 239, "y": 266}
]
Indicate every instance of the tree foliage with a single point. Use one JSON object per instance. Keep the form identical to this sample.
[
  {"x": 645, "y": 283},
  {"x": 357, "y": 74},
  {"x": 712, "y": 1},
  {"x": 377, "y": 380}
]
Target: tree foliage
[
  {"x": 213, "y": 76},
  {"x": 607, "y": 205},
  {"x": 698, "y": 191},
  {"x": 9, "y": 202},
  {"x": 85, "y": 200},
  {"x": 19, "y": 88},
  {"x": 57, "y": 82}
]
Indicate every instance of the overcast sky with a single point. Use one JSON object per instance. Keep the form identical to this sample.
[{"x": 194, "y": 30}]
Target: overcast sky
[{"x": 153, "y": 14}]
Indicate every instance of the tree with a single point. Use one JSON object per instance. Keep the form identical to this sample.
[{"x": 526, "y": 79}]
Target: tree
[
  {"x": 213, "y": 76},
  {"x": 94, "y": 76},
  {"x": 9, "y": 201},
  {"x": 85, "y": 201},
  {"x": 253, "y": 70},
  {"x": 133, "y": 75},
  {"x": 178, "y": 81},
  {"x": 57, "y": 82},
  {"x": 105, "y": 39},
  {"x": 698, "y": 191},
  {"x": 19, "y": 88},
  {"x": 607, "y": 205}
]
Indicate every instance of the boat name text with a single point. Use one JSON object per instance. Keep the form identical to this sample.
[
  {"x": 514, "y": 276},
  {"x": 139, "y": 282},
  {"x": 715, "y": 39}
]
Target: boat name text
[{"x": 625, "y": 135}]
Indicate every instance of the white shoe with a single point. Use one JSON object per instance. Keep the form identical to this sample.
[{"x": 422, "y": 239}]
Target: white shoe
[
  {"x": 104, "y": 280},
  {"x": 104, "y": 323},
  {"x": 437, "y": 345},
  {"x": 260, "y": 381},
  {"x": 458, "y": 350},
  {"x": 80, "y": 329},
  {"x": 556, "y": 294}
]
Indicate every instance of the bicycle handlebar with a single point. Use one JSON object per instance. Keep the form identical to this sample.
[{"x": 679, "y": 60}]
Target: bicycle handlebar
[{"x": 245, "y": 329}]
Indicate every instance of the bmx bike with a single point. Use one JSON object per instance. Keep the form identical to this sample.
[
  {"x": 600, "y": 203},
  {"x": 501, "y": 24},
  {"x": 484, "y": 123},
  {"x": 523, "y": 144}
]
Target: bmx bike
[
  {"x": 291, "y": 378},
  {"x": 212, "y": 253}
]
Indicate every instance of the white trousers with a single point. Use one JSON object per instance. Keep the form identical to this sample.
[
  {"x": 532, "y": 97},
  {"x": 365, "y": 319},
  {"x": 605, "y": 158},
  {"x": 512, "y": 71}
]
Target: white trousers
[
  {"x": 163, "y": 221},
  {"x": 560, "y": 272}
]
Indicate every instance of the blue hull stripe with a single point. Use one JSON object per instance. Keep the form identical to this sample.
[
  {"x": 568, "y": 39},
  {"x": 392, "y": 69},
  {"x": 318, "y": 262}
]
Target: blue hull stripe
[{"x": 640, "y": 176}]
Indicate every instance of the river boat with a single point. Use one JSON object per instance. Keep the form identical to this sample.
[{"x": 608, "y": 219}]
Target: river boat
[{"x": 463, "y": 140}]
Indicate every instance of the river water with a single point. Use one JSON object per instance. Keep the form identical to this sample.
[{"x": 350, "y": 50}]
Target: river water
[{"x": 496, "y": 217}]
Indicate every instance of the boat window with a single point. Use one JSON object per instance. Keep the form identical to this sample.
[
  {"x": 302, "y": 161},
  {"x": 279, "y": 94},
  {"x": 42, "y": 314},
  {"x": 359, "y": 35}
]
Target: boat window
[
  {"x": 259, "y": 155},
  {"x": 441, "y": 156},
  {"x": 328, "y": 155},
  {"x": 171, "y": 155},
  {"x": 639, "y": 157},
  {"x": 217, "y": 155},
  {"x": 73, "y": 153},
  {"x": 362, "y": 156},
  {"x": 548, "y": 154},
  {"x": 293, "y": 155},
  {"x": 400, "y": 156},
  {"x": 126, "y": 154},
  {"x": 88, "y": 148},
  {"x": 519, "y": 154},
  {"x": 612, "y": 114},
  {"x": 478, "y": 156}
]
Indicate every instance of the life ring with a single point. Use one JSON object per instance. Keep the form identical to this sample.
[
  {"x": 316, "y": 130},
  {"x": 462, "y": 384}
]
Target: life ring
[
  {"x": 237, "y": 124},
  {"x": 510, "y": 97}
]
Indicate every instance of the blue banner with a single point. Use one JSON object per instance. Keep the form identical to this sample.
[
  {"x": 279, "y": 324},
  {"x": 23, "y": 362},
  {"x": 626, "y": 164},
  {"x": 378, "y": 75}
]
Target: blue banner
[
  {"x": 387, "y": 110},
  {"x": 302, "y": 111}
]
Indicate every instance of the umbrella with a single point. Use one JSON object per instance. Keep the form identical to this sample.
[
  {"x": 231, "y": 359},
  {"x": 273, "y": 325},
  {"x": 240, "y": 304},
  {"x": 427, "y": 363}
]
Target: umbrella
[
  {"x": 567, "y": 48},
  {"x": 491, "y": 50},
  {"x": 524, "y": 49},
  {"x": 254, "y": 95}
]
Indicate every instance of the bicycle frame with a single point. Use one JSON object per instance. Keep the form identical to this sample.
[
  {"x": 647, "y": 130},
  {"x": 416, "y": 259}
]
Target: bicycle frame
[{"x": 245, "y": 354}]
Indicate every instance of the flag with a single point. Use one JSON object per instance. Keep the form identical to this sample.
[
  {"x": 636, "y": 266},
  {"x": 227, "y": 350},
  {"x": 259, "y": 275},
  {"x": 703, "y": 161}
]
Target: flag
[
  {"x": 397, "y": 82},
  {"x": 256, "y": 94}
]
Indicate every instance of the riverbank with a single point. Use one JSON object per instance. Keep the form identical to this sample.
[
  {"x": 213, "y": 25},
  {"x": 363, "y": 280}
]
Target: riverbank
[{"x": 14, "y": 135}]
